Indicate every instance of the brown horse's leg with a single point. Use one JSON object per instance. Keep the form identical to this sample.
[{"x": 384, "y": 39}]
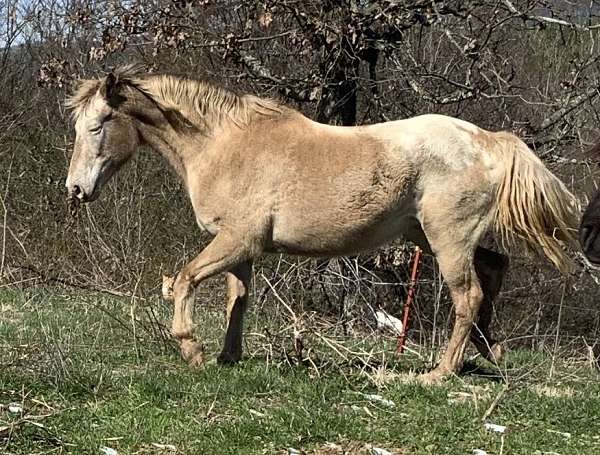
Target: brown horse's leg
[
  {"x": 490, "y": 267},
  {"x": 238, "y": 282},
  {"x": 223, "y": 253}
]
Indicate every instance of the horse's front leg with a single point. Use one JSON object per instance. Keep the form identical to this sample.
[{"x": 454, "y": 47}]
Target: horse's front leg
[{"x": 225, "y": 252}]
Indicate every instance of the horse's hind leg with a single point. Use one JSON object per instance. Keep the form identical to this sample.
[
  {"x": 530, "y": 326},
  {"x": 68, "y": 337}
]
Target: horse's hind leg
[
  {"x": 490, "y": 267},
  {"x": 453, "y": 227},
  {"x": 467, "y": 296},
  {"x": 238, "y": 283}
]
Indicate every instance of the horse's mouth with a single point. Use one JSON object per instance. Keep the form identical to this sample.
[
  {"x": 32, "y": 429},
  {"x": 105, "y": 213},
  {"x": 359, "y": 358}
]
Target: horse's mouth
[
  {"x": 78, "y": 197},
  {"x": 73, "y": 203}
]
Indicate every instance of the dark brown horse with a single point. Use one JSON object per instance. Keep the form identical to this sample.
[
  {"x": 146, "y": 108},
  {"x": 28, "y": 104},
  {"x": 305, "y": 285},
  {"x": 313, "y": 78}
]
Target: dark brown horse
[
  {"x": 590, "y": 222},
  {"x": 589, "y": 230}
]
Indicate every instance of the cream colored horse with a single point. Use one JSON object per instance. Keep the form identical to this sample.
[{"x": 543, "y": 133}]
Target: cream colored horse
[{"x": 263, "y": 178}]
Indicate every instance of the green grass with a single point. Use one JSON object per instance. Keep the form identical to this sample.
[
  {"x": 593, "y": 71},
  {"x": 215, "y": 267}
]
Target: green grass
[{"x": 85, "y": 382}]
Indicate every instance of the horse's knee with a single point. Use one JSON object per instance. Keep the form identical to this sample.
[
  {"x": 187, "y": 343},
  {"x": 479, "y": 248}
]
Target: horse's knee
[
  {"x": 182, "y": 330},
  {"x": 237, "y": 289},
  {"x": 183, "y": 285}
]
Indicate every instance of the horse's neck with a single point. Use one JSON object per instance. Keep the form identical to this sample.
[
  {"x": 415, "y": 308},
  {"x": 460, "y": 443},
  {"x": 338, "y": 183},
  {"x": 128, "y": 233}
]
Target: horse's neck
[
  {"x": 171, "y": 145},
  {"x": 158, "y": 131}
]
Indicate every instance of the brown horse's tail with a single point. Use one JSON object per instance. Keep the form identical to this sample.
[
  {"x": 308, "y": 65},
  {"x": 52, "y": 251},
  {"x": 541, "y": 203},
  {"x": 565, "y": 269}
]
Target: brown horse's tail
[{"x": 533, "y": 204}]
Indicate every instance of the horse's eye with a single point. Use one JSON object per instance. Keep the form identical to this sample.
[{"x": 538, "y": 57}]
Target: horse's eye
[{"x": 96, "y": 130}]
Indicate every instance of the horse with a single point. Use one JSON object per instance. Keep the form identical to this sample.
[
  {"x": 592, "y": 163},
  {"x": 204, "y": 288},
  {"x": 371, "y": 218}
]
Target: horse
[
  {"x": 589, "y": 227},
  {"x": 265, "y": 179}
]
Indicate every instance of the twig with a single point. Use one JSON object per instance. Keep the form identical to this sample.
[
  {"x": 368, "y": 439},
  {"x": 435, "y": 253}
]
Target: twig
[
  {"x": 560, "y": 310},
  {"x": 5, "y": 216},
  {"x": 132, "y": 307},
  {"x": 495, "y": 403}
]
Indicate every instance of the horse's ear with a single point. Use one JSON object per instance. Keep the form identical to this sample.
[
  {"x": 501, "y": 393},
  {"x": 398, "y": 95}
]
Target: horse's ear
[{"x": 109, "y": 88}]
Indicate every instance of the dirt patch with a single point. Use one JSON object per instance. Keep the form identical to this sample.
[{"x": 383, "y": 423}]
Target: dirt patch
[
  {"x": 554, "y": 392},
  {"x": 9, "y": 314},
  {"x": 470, "y": 393}
]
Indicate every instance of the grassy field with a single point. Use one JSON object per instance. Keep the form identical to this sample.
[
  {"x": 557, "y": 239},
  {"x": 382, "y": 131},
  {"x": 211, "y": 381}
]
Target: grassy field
[{"x": 78, "y": 375}]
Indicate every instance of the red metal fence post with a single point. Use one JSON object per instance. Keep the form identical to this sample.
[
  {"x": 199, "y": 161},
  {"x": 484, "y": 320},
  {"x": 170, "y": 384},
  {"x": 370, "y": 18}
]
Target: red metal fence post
[{"x": 414, "y": 276}]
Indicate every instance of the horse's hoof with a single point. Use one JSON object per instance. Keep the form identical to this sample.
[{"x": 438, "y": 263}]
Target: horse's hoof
[
  {"x": 496, "y": 352},
  {"x": 493, "y": 353},
  {"x": 197, "y": 361},
  {"x": 228, "y": 358},
  {"x": 192, "y": 352},
  {"x": 434, "y": 377},
  {"x": 167, "y": 288}
]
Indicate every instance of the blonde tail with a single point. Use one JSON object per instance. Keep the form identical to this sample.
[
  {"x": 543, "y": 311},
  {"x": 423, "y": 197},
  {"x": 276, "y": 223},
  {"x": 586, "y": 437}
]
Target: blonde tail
[{"x": 533, "y": 204}]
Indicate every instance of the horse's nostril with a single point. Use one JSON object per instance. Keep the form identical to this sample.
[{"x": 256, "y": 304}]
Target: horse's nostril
[{"x": 77, "y": 192}]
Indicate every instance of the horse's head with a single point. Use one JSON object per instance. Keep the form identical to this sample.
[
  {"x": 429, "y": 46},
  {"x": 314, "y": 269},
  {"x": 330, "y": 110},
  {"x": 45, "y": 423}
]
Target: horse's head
[
  {"x": 105, "y": 139},
  {"x": 590, "y": 229}
]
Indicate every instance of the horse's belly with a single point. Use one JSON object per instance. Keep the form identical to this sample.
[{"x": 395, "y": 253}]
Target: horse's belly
[
  {"x": 331, "y": 237},
  {"x": 359, "y": 209}
]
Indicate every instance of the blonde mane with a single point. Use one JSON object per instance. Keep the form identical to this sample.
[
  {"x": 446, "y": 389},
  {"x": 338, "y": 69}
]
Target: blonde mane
[{"x": 207, "y": 103}]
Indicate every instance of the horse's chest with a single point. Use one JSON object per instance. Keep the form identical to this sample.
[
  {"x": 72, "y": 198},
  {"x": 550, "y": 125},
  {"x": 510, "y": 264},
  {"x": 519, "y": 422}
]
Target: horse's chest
[{"x": 208, "y": 219}]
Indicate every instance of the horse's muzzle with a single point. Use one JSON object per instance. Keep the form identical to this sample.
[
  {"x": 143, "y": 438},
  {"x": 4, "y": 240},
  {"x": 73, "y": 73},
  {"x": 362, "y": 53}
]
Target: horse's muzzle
[
  {"x": 75, "y": 197},
  {"x": 77, "y": 193}
]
